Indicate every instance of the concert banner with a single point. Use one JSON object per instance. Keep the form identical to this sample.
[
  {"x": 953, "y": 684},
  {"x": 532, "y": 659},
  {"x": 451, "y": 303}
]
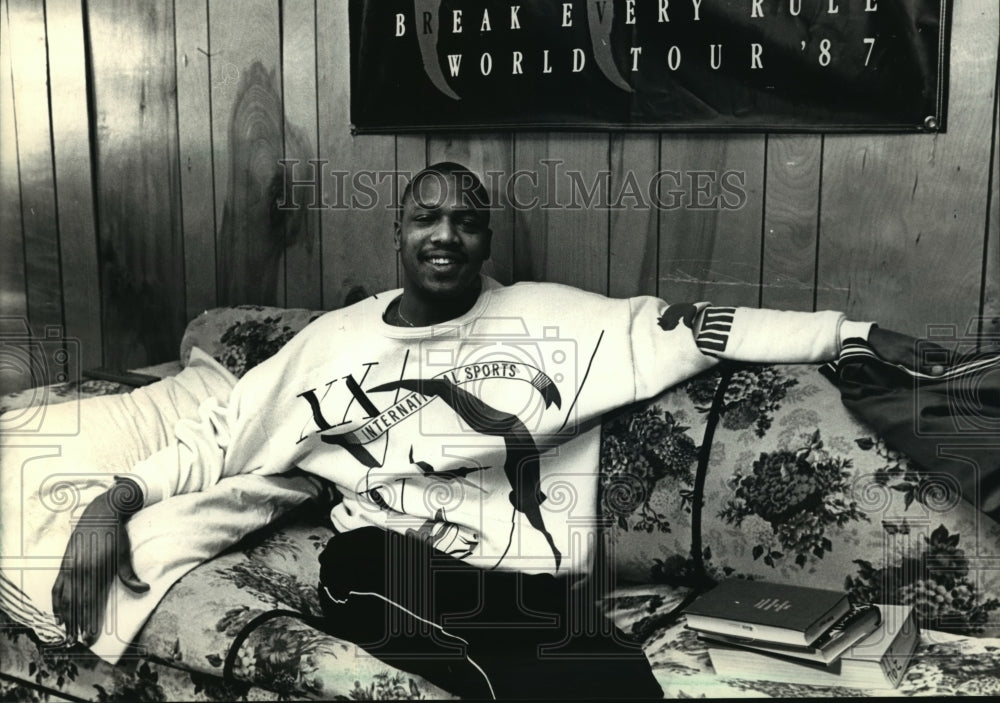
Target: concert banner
[{"x": 687, "y": 65}]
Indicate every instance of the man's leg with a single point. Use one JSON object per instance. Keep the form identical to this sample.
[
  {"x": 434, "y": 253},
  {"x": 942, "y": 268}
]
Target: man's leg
[
  {"x": 474, "y": 632},
  {"x": 363, "y": 606}
]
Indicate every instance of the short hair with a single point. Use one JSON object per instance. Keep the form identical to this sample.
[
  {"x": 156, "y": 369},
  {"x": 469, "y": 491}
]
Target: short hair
[{"x": 469, "y": 186}]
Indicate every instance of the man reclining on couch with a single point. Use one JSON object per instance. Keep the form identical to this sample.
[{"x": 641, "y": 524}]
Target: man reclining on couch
[{"x": 444, "y": 416}]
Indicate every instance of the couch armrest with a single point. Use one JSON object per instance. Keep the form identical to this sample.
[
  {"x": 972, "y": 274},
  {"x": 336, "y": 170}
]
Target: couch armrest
[{"x": 242, "y": 336}]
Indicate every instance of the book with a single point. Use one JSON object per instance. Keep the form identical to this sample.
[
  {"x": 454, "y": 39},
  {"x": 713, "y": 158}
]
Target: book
[
  {"x": 859, "y": 622},
  {"x": 772, "y": 612},
  {"x": 877, "y": 661}
]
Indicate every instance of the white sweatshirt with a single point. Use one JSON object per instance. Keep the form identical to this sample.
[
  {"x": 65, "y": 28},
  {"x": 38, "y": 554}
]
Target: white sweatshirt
[{"x": 477, "y": 433}]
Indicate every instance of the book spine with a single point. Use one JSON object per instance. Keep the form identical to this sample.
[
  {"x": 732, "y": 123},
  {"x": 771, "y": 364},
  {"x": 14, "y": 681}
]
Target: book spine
[
  {"x": 761, "y": 667},
  {"x": 737, "y": 628},
  {"x": 824, "y": 623},
  {"x": 900, "y": 652},
  {"x": 862, "y": 623}
]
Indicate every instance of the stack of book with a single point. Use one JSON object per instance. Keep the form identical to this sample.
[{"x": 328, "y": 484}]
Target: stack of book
[{"x": 796, "y": 634}]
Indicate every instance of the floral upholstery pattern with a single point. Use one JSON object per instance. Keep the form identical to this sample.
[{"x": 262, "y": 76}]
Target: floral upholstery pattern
[
  {"x": 272, "y": 573},
  {"x": 289, "y": 660},
  {"x": 794, "y": 489},
  {"x": 642, "y": 451},
  {"x": 241, "y": 337},
  {"x": 180, "y": 657},
  {"x": 41, "y": 673}
]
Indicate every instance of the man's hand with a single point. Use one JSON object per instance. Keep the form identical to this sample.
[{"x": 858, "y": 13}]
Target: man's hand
[
  {"x": 98, "y": 550},
  {"x": 902, "y": 349}
]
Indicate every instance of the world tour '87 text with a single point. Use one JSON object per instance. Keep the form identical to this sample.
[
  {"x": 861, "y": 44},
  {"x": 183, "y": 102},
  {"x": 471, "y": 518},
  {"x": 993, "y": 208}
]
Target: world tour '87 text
[{"x": 547, "y": 61}]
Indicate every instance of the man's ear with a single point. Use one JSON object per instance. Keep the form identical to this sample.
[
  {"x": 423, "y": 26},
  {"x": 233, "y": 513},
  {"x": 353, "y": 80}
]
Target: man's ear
[
  {"x": 396, "y": 231},
  {"x": 489, "y": 243}
]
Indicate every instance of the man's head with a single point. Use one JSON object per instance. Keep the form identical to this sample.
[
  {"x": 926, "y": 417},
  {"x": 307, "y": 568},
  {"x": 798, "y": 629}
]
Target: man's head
[{"x": 443, "y": 233}]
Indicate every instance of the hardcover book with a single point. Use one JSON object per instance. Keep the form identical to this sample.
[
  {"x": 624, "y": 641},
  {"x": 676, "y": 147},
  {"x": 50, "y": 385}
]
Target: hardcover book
[
  {"x": 859, "y": 622},
  {"x": 876, "y": 661},
  {"x": 772, "y": 612}
]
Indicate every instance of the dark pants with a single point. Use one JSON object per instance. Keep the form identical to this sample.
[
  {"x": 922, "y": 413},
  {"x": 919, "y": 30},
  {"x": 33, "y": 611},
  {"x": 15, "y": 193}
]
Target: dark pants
[{"x": 475, "y": 633}]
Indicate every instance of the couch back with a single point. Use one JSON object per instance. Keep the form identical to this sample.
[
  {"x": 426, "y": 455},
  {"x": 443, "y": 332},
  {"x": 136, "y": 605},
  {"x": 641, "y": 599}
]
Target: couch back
[{"x": 753, "y": 471}]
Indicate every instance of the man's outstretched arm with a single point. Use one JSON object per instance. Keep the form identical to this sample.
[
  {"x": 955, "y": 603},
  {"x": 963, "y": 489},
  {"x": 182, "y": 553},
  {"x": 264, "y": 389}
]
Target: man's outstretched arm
[
  {"x": 777, "y": 336},
  {"x": 98, "y": 551},
  {"x": 670, "y": 343}
]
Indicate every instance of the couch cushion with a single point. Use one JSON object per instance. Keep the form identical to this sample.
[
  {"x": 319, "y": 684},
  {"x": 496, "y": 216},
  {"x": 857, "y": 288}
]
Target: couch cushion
[{"x": 798, "y": 491}]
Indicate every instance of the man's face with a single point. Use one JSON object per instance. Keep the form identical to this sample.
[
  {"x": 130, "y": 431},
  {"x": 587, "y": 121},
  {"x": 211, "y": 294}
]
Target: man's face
[{"x": 442, "y": 238}]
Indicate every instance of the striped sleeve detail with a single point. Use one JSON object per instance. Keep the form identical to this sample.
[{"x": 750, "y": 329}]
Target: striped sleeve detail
[
  {"x": 716, "y": 324},
  {"x": 20, "y": 608}
]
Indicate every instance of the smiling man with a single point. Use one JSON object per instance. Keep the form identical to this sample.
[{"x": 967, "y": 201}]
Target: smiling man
[
  {"x": 458, "y": 420},
  {"x": 443, "y": 237}
]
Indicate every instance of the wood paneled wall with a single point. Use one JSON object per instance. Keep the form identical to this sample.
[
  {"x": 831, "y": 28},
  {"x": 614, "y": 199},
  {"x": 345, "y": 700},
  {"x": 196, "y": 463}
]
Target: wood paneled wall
[{"x": 139, "y": 180}]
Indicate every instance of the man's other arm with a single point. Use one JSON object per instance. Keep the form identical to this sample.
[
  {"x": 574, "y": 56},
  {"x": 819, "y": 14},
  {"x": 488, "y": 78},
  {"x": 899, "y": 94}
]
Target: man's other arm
[
  {"x": 783, "y": 336},
  {"x": 672, "y": 343},
  {"x": 99, "y": 550}
]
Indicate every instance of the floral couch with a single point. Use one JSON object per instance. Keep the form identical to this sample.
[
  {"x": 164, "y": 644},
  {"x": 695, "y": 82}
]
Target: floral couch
[{"x": 752, "y": 471}]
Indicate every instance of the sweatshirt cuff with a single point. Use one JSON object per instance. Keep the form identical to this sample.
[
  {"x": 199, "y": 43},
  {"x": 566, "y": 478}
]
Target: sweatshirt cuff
[{"x": 850, "y": 329}]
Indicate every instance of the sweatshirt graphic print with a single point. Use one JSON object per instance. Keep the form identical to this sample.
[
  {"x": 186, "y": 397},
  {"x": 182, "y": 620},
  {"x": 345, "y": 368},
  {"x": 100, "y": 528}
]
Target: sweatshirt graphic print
[{"x": 480, "y": 435}]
